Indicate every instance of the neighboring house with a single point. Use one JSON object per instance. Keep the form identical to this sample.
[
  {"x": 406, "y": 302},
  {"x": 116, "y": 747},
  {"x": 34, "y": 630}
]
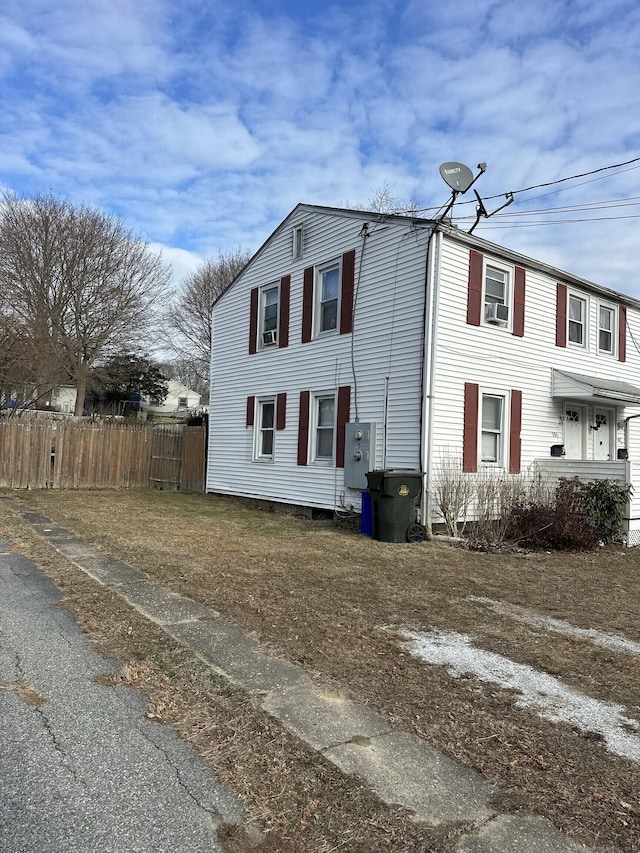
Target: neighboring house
[
  {"x": 63, "y": 399},
  {"x": 179, "y": 404},
  {"x": 348, "y": 327}
]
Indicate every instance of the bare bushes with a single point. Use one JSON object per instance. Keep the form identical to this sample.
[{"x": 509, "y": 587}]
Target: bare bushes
[
  {"x": 453, "y": 493},
  {"x": 493, "y": 508}
]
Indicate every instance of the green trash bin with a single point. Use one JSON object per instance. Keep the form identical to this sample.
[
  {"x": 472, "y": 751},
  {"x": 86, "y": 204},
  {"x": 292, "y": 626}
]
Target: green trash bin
[{"x": 393, "y": 499}]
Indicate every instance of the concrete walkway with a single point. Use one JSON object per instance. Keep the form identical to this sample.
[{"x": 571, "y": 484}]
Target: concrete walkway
[{"x": 399, "y": 767}]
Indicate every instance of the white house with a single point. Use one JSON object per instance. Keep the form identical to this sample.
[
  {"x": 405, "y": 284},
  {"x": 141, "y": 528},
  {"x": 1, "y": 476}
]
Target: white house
[
  {"x": 179, "y": 403},
  {"x": 355, "y": 341}
]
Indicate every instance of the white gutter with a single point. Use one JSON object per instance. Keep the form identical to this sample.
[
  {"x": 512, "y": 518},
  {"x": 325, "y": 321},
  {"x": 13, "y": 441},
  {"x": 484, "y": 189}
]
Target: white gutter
[{"x": 429, "y": 374}]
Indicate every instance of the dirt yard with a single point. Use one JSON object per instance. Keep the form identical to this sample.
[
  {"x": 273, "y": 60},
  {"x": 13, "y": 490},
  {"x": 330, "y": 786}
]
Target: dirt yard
[{"x": 474, "y": 652}]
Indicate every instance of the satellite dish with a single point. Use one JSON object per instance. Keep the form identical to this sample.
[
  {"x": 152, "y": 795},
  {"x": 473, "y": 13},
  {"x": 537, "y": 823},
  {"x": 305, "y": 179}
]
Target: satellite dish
[{"x": 457, "y": 176}]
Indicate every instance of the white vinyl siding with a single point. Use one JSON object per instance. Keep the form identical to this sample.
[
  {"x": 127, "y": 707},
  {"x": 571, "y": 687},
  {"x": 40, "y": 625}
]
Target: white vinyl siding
[
  {"x": 500, "y": 363},
  {"x": 387, "y": 360}
]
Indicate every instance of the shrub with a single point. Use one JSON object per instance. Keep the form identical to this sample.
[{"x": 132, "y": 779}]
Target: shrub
[
  {"x": 582, "y": 516},
  {"x": 604, "y": 505}
]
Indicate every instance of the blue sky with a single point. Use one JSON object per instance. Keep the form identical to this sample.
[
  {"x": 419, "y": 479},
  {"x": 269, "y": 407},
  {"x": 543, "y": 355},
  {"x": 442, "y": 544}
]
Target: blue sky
[{"x": 202, "y": 123}]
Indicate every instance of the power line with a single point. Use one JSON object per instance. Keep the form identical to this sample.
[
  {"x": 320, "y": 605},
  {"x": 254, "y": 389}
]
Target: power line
[
  {"x": 546, "y": 184},
  {"x": 487, "y": 225},
  {"x": 570, "y": 178}
]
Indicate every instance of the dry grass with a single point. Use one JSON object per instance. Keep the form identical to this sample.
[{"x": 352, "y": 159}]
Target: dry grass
[{"x": 320, "y": 596}]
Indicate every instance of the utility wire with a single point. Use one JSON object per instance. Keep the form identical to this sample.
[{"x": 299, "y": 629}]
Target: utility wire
[
  {"x": 485, "y": 226},
  {"x": 570, "y": 178},
  {"x": 546, "y": 184}
]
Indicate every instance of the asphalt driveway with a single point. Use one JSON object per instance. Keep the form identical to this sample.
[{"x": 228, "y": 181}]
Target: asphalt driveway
[{"x": 81, "y": 766}]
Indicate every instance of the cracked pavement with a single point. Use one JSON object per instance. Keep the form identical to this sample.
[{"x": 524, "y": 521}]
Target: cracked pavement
[{"x": 81, "y": 766}]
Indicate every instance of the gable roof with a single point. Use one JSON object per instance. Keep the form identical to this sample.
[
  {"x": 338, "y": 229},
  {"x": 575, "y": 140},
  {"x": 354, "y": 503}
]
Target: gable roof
[{"x": 452, "y": 232}]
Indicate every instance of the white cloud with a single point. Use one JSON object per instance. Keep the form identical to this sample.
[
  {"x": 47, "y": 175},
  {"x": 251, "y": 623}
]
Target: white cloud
[{"x": 204, "y": 125}]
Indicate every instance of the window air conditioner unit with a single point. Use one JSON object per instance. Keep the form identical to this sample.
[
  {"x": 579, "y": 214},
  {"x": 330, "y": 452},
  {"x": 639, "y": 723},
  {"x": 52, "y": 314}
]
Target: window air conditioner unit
[
  {"x": 269, "y": 339},
  {"x": 496, "y": 313}
]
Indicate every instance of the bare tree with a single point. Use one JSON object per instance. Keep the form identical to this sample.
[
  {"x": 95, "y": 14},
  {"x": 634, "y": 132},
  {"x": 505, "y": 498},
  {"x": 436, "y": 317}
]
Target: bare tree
[
  {"x": 16, "y": 364},
  {"x": 79, "y": 283},
  {"x": 189, "y": 318},
  {"x": 383, "y": 201}
]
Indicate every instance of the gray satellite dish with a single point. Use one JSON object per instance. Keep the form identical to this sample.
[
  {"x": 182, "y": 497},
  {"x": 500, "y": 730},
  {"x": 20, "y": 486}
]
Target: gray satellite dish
[{"x": 456, "y": 175}]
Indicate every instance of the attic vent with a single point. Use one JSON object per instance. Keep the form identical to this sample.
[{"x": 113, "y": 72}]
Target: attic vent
[
  {"x": 298, "y": 241},
  {"x": 496, "y": 313}
]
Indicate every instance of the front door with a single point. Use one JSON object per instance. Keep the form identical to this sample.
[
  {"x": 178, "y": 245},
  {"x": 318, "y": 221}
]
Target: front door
[
  {"x": 603, "y": 421},
  {"x": 574, "y": 431}
]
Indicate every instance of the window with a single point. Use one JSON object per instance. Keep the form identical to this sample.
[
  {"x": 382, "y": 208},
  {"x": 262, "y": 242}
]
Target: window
[
  {"x": 265, "y": 430},
  {"x": 298, "y": 238},
  {"x": 606, "y": 326},
  {"x": 497, "y": 296},
  {"x": 576, "y": 316},
  {"x": 183, "y": 402},
  {"x": 328, "y": 292},
  {"x": 492, "y": 429},
  {"x": 269, "y": 301},
  {"x": 328, "y": 297},
  {"x": 324, "y": 428}
]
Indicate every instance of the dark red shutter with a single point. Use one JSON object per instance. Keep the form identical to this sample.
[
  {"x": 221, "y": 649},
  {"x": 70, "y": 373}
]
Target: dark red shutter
[
  {"x": 253, "y": 322},
  {"x": 474, "y": 292},
  {"x": 622, "y": 333},
  {"x": 303, "y": 428},
  {"x": 283, "y": 319},
  {"x": 342, "y": 418},
  {"x": 518, "y": 302},
  {"x": 470, "y": 435},
  {"x": 561, "y": 315},
  {"x": 515, "y": 427},
  {"x": 251, "y": 408},
  {"x": 346, "y": 295},
  {"x": 281, "y": 411},
  {"x": 307, "y": 305}
]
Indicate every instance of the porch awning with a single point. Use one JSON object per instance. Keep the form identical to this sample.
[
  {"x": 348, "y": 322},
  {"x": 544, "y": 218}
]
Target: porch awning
[{"x": 594, "y": 389}]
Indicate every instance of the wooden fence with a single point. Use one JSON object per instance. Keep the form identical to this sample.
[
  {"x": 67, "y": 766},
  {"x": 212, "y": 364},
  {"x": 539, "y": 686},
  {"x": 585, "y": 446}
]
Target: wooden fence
[{"x": 83, "y": 454}]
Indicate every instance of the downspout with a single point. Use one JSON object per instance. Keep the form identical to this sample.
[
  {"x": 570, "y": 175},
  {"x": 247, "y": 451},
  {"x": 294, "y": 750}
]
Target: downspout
[{"x": 429, "y": 372}]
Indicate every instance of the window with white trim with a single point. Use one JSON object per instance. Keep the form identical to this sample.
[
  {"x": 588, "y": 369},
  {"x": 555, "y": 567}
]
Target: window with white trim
[
  {"x": 324, "y": 428},
  {"x": 183, "y": 402},
  {"x": 577, "y": 313},
  {"x": 497, "y": 298},
  {"x": 264, "y": 430},
  {"x": 269, "y": 304},
  {"x": 492, "y": 429},
  {"x": 327, "y": 297},
  {"x": 606, "y": 329}
]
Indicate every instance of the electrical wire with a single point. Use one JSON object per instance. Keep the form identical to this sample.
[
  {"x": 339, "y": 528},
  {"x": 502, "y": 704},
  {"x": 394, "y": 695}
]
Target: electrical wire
[
  {"x": 487, "y": 225},
  {"x": 545, "y": 184},
  {"x": 570, "y": 178}
]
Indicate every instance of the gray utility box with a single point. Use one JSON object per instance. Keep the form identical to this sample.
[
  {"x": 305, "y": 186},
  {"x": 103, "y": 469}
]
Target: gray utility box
[{"x": 359, "y": 453}]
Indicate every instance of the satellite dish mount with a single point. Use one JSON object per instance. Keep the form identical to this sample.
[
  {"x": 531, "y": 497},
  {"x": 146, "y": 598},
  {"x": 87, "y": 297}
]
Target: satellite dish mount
[{"x": 459, "y": 178}]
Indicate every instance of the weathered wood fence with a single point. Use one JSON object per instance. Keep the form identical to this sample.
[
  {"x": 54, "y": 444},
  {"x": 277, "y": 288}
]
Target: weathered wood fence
[{"x": 94, "y": 454}]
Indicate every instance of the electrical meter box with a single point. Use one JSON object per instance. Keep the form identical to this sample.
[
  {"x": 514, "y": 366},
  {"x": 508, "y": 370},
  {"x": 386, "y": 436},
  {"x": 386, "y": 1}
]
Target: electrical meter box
[{"x": 359, "y": 453}]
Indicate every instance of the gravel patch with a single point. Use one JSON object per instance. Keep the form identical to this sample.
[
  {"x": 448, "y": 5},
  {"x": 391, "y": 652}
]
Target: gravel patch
[
  {"x": 542, "y": 693},
  {"x": 614, "y": 642}
]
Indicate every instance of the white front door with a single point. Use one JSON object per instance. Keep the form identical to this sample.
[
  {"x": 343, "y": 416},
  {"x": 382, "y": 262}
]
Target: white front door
[
  {"x": 603, "y": 423},
  {"x": 574, "y": 431}
]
